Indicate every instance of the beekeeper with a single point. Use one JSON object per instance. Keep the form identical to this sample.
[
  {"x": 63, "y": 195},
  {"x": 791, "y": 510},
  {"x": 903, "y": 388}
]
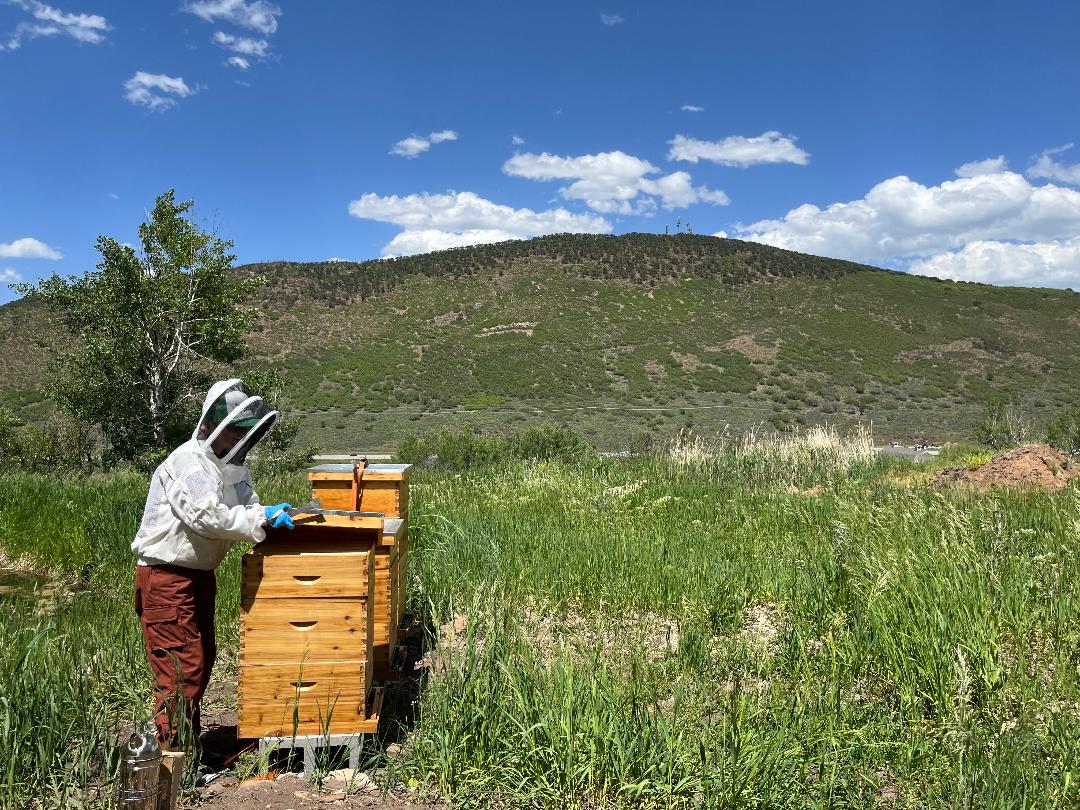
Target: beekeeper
[{"x": 200, "y": 502}]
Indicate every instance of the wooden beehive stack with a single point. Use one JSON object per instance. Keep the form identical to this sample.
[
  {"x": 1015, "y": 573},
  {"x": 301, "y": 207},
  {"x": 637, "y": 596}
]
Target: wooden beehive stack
[
  {"x": 307, "y": 630},
  {"x": 382, "y": 488}
]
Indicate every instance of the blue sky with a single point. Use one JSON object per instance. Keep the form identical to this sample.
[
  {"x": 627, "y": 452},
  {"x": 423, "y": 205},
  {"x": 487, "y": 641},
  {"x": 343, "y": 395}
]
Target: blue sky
[{"x": 928, "y": 136}]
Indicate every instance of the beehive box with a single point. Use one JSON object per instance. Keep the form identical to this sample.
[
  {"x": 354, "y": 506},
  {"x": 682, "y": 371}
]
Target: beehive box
[
  {"x": 307, "y": 629},
  {"x": 389, "y": 601},
  {"x": 384, "y": 488}
]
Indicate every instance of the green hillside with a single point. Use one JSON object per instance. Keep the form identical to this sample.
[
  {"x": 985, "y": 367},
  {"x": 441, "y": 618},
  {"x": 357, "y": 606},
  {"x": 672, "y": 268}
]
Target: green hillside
[{"x": 631, "y": 338}]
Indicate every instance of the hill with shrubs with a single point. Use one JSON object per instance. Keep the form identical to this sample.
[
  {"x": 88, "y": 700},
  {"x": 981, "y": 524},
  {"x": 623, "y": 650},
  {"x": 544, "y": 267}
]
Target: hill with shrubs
[{"x": 628, "y": 340}]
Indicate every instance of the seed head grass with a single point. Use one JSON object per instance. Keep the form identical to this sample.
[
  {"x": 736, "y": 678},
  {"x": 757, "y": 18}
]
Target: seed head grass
[{"x": 767, "y": 623}]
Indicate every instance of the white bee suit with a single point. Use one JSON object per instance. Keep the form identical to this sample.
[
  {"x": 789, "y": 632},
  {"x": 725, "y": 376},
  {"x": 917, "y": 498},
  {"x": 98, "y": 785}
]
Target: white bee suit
[{"x": 198, "y": 504}]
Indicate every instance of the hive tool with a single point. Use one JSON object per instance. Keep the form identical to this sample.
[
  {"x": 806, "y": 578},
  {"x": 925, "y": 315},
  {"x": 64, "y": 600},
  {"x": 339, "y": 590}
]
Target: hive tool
[{"x": 315, "y": 507}]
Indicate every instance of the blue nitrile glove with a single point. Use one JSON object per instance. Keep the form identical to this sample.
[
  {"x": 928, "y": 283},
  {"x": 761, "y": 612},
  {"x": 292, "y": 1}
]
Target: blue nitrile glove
[{"x": 277, "y": 517}]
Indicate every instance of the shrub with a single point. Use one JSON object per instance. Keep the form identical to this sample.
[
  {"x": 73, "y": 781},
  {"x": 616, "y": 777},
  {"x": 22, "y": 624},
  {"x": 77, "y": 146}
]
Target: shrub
[
  {"x": 467, "y": 449},
  {"x": 1063, "y": 432},
  {"x": 1003, "y": 424},
  {"x": 59, "y": 444},
  {"x": 548, "y": 443},
  {"x": 975, "y": 460}
]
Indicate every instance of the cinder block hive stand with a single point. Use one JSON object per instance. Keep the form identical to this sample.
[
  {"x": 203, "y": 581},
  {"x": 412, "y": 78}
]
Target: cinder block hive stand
[{"x": 321, "y": 606}]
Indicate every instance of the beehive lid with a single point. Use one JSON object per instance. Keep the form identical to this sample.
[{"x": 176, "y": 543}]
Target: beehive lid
[{"x": 373, "y": 472}]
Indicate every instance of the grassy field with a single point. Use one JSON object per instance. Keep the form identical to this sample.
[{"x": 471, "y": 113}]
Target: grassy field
[
  {"x": 72, "y": 665},
  {"x": 753, "y": 624}
]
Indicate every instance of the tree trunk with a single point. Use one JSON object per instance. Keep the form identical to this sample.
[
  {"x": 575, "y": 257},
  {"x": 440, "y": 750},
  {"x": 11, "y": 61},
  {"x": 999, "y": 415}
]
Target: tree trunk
[{"x": 157, "y": 405}]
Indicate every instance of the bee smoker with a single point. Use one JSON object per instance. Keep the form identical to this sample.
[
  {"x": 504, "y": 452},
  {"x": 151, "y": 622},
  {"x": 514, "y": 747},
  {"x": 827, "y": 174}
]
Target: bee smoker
[{"x": 140, "y": 772}]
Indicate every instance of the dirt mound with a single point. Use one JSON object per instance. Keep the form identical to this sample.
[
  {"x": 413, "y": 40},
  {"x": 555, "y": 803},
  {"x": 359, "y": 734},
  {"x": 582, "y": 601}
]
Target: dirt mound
[{"x": 1034, "y": 466}]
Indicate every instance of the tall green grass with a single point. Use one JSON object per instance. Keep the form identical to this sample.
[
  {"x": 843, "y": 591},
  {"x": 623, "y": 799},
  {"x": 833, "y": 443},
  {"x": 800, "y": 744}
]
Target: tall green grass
[
  {"x": 72, "y": 665},
  {"x": 71, "y": 674},
  {"x": 877, "y": 644},
  {"x": 677, "y": 631}
]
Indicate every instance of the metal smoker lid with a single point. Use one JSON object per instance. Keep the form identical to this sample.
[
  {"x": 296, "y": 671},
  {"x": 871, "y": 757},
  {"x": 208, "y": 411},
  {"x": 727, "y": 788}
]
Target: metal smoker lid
[{"x": 142, "y": 745}]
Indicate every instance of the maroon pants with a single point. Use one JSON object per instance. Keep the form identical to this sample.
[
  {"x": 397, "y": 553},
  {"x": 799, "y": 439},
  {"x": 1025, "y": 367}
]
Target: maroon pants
[{"x": 175, "y": 606}]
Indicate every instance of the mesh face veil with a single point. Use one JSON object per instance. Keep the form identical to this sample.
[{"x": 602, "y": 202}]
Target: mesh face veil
[{"x": 232, "y": 404}]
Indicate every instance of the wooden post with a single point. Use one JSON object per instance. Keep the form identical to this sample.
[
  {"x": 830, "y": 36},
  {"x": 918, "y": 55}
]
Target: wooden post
[
  {"x": 358, "y": 483},
  {"x": 170, "y": 773}
]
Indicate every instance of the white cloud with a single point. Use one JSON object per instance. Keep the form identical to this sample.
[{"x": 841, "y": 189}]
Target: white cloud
[
  {"x": 415, "y": 145},
  {"x": 410, "y": 147},
  {"x": 155, "y": 91},
  {"x": 238, "y": 62},
  {"x": 83, "y": 27},
  {"x": 257, "y": 16},
  {"x": 1050, "y": 169},
  {"x": 611, "y": 19},
  {"x": 10, "y": 276},
  {"x": 28, "y": 248},
  {"x": 691, "y": 108},
  {"x": 50, "y": 21},
  {"x": 613, "y": 182},
  {"x": 1043, "y": 264},
  {"x": 242, "y": 45},
  {"x": 439, "y": 221},
  {"x": 675, "y": 190},
  {"x": 738, "y": 150},
  {"x": 458, "y": 211},
  {"x": 901, "y": 218},
  {"x": 517, "y": 140},
  {"x": 977, "y": 167},
  {"x": 408, "y": 243}
]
